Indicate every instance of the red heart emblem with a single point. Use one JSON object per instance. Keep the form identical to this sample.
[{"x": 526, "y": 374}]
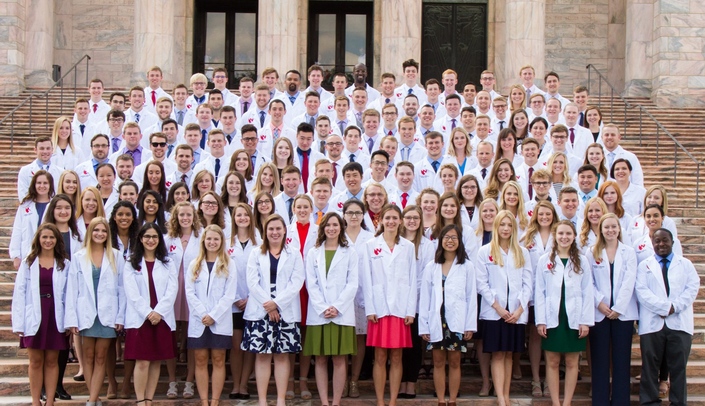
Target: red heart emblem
[
  {"x": 230, "y": 251},
  {"x": 398, "y": 94},
  {"x": 188, "y": 106},
  {"x": 330, "y": 107},
  {"x": 377, "y": 251},
  {"x": 250, "y": 120},
  {"x": 416, "y": 140},
  {"x": 641, "y": 247},
  {"x": 263, "y": 137},
  {"x": 517, "y": 177},
  {"x": 544, "y": 164},
  {"x": 26, "y": 210},
  {"x": 423, "y": 172},
  {"x": 340, "y": 205},
  {"x": 491, "y": 259},
  {"x": 168, "y": 184},
  {"x": 597, "y": 262},
  {"x": 636, "y": 224},
  {"x": 288, "y": 240},
  {"x": 444, "y": 128},
  {"x": 549, "y": 266},
  {"x": 172, "y": 248},
  {"x": 531, "y": 213},
  {"x": 85, "y": 172}
]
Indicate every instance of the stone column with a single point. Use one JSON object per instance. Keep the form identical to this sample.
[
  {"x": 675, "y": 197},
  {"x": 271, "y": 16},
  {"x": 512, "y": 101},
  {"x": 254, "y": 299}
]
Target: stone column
[
  {"x": 638, "y": 61},
  {"x": 400, "y": 35},
  {"x": 277, "y": 39},
  {"x": 154, "y": 40},
  {"x": 12, "y": 47},
  {"x": 525, "y": 22},
  {"x": 40, "y": 42}
]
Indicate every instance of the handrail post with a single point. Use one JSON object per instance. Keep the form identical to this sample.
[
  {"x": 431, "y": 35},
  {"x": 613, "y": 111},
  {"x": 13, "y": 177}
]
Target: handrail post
[
  {"x": 657, "y": 142},
  {"x": 87, "y": 61},
  {"x": 675, "y": 164},
  {"x": 30, "y": 114},
  {"x": 640, "y": 127},
  {"x": 697, "y": 186},
  {"x": 625, "y": 118},
  {"x": 46, "y": 113},
  {"x": 12, "y": 132},
  {"x": 599, "y": 92},
  {"x": 75, "y": 84},
  {"x": 588, "y": 83}
]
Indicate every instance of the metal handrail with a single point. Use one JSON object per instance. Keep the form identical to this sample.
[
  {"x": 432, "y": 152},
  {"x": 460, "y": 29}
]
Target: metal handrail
[
  {"x": 659, "y": 128},
  {"x": 31, "y": 97}
]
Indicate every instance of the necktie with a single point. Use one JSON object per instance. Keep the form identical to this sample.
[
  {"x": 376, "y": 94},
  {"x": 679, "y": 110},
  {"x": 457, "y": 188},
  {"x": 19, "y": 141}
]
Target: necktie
[
  {"x": 154, "y": 97},
  {"x": 292, "y": 99},
  {"x": 95, "y": 167},
  {"x": 435, "y": 165},
  {"x": 83, "y": 128},
  {"x": 304, "y": 168},
  {"x": 276, "y": 134},
  {"x": 183, "y": 177},
  {"x": 664, "y": 271},
  {"x": 581, "y": 120},
  {"x": 335, "y": 172},
  {"x": 116, "y": 144},
  {"x": 253, "y": 160},
  {"x": 169, "y": 149},
  {"x": 196, "y": 158},
  {"x": 585, "y": 198},
  {"x": 322, "y": 148},
  {"x": 483, "y": 172},
  {"x": 289, "y": 204},
  {"x": 410, "y": 91},
  {"x": 137, "y": 118},
  {"x": 358, "y": 117},
  {"x": 217, "y": 168},
  {"x": 319, "y": 216},
  {"x": 452, "y": 126},
  {"x": 204, "y": 134},
  {"x": 95, "y": 107},
  {"x": 352, "y": 157},
  {"x": 405, "y": 153},
  {"x": 312, "y": 121},
  {"x": 200, "y": 100},
  {"x": 531, "y": 188},
  {"x": 46, "y": 167},
  {"x": 572, "y": 137},
  {"x": 501, "y": 125},
  {"x": 610, "y": 160},
  {"x": 341, "y": 125},
  {"x": 180, "y": 117},
  {"x": 262, "y": 114},
  {"x": 528, "y": 94},
  {"x": 370, "y": 144},
  {"x": 387, "y": 100},
  {"x": 245, "y": 105},
  {"x": 404, "y": 199},
  {"x": 229, "y": 137}
]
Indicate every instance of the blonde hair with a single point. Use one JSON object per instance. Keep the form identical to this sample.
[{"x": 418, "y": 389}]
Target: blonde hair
[
  {"x": 511, "y": 106},
  {"x": 534, "y": 227},
  {"x": 55, "y": 132},
  {"x": 521, "y": 212},
  {"x": 600, "y": 243},
  {"x": 259, "y": 187},
  {"x": 222, "y": 257},
  {"x": 585, "y": 227},
  {"x": 76, "y": 195},
  {"x": 174, "y": 226},
  {"x": 451, "y": 146},
  {"x": 100, "y": 211},
  {"x": 514, "y": 247},
  {"x": 481, "y": 227},
  {"x": 649, "y": 191},
  {"x": 107, "y": 245},
  {"x": 566, "y": 170}
]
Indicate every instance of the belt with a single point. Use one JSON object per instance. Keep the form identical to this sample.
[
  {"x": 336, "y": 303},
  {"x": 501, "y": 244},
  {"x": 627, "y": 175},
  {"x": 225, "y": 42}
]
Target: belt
[{"x": 45, "y": 296}]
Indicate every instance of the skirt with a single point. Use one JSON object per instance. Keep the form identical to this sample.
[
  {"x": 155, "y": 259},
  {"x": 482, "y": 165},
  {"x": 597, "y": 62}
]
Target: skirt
[
  {"x": 148, "y": 343},
  {"x": 97, "y": 330},
  {"x": 180, "y": 304},
  {"x": 563, "y": 339},
  {"x": 210, "y": 341},
  {"x": 389, "y": 332},
  {"x": 330, "y": 339},
  {"x": 238, "y": 321},
  {"x": 267, "y": 337},
  {"x": 500, "y": 336},
  {"x": 451, "y": 341},
  {"x": 48, "y": 336}
]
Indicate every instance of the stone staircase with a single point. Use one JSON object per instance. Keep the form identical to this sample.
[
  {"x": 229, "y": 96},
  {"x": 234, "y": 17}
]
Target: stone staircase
[{"x": 682, "y": 123}]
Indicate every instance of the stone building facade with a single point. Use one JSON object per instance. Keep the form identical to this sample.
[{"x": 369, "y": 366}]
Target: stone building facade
[{"x": 650, "y": 48}]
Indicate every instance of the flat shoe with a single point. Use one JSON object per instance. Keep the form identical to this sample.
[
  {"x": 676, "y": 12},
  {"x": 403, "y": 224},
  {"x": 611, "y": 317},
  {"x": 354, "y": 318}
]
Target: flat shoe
[
  {"x": 234, "y": 396},
  {"x": 306, "y": 395},
  {"x": 289, "y": 395},
  {"x": 112, "y": 396},
  {"x": 79, "y": 378},
  {"x": 245, "y": 396}
]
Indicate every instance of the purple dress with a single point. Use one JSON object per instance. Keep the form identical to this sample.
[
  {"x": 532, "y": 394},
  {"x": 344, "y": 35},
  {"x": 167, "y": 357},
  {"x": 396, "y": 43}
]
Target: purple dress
[{"x": 48, "y": 336}]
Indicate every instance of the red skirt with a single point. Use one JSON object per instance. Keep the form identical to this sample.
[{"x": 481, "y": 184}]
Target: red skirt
[
  {"x": 150, "y": 343},
  {"x": 303, "y": 297},
  {"x": 389, "y": 332}
]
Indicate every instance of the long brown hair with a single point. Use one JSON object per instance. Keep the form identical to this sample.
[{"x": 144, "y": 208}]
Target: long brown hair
[
  {"x": 457, "y": 220},
  {"x": 250, "y": 228},
  {"x": 260, "y": 218},
  {"x": 249, "y": 172},
  {"x": 618, "y": 208},
  {"x": 385, "y": 209},
  {"x": 418, "y": 234},
  {"x": 573, "y": 251},
  {"x": 342, "y": 240},
  {"x": 601, "y": 243},
  {"x": 493, "y": 187},
  {"x": 32, "y": 194},
  {"x": 533, "y": 228},
  {"x": 222, "y": 256},
  {"x": 264, "y": 248},
  {"x": 174, "y": 226},
  {"x": 36, "y": 247},
  {"x": 219, "y": 219}
]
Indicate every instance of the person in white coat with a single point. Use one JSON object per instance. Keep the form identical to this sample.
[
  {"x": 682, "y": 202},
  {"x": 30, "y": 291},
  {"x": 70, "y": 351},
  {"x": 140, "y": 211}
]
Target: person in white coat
[
  {"x": 654, "y": 219},
  {"x": 244, "y": 239},
  {"x": 470, "y": 195},
  {"x": 95, "y": 301},
  {"x": 211, "y": 283},
  {"x": 67, "y": 153},
  {"x": 150, "y": 282},
  {"x": 656, "y": 194},
  {"x": 449, "y": 282},
  {"x": 504, "y": 281},
  {"x": 331, "y": 281},
  {"x": 30, "y": 214},
  {"x": 38, "y": 309},
  {"x": 564, "y": 306},
  {"x": 275, "y": 274},
  {"x": 389, "y": 281},
  {"x": 666, "y": 287},
  {"x": 182, "y": 245},
  {"x": 613, "y": 265}
]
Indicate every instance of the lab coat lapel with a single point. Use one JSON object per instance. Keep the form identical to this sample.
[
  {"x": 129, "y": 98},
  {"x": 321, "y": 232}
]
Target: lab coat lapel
[
  {"x": 86, "y": 269},
  {"x": 321, "y": 269}
]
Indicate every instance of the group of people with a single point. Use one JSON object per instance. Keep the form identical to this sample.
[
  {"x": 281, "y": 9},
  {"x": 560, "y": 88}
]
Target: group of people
[{"x": 270, "y": 226}]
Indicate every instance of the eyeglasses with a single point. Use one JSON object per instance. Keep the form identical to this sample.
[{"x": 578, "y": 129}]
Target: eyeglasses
[
  {"x": 335, "y": 144},
  {"x": 412, "y": 218},
  {"x": 390, "y": 113},
  {"x": 469, "y": 187},
  {"x": 116, "y": 120},
  {"x": 263, "y": 202},
  {"x": 353, "y": 213},
  {"x": 450, "y": 238},
  {"x": 159, "y": 144},
  {"x": 249, "y": 139},
  {"x": 99, "y": 146},
  {"x": 199, "y": 84},
  {"x": 379, "y": 163},
  {"x": 540, "y": 183},
  {"x": 150, "y": 237},
  {"x": 209, "y": 204},
  {"x": 500, "y": 106},
  {"x": 559, "y": 137}
]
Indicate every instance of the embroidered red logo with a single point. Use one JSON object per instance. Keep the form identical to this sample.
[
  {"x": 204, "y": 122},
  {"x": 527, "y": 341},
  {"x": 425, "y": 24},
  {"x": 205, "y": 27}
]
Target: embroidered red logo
[
  {"x": 330, "y": 107},
  {"x": 636, "y": 224},
  {"x": 288, "y": 240},
  {"x": 491, "y": 259},
  {"x": 85, "y": 172},
  {"x": 172, "y": 248},
  {"x": 423, "y": 172},
  {"x": 168, "y": 184},
  {"x": 26, "y": 210},
  {"x": 544, "y": 164},
  {"x": 444, "y": 128},
  {"x": 517, "y": 177},
  {"x": 416, "y": 139},
  {"x": 597, "y": 262},
  {"x": 378, "y": 251},
  {"x": 398, "y": 94},
  {"x": 641, "y": 247},
  {"x": 340, "y": 205},
  {"x": 263, "y": 137},
  {"x": 188, "y": 106},
  {"x": 549, "y": 266},
  {"x": 250, "y": 120},
  {"x": 230, "y": 251},
  {"x": 531, "y": 213}
]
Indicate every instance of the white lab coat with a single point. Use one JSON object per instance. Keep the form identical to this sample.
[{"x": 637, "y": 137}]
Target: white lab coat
[
  {"x": 290, "y": 279},
  {"x": 26, "y": 173},
  {"x": 335, "y": 288},
  {"x": 26, "y": 303},
  {"x": 654, "y": 304},
  {"x": 624, "y": 278},
  {"x": 23, "y": 229},
  {"x": 535, "y": 252},
  {"x": 136, "y": 283},
  {"x": 359, "y": 246},
  {"x": 459, "y": 297},
  {"x": 638, "y": 227},
  {"x": 509, "y": 285},
  {"x": 69, "y": 159},
  {"x": 644, "y": 248},
  {"x": 292, "y": 236},
  {"x": 210, "y": 295},
  {"x": 86, "y": 174},
  {"x": 80, "y": 295},
  {"x": 579, "y": 302},
  {"x": 240, "y": 255},
  {"x": 389, "y": 278}
]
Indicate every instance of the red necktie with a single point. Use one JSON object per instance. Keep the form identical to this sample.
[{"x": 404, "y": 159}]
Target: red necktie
[
  {"x": 95, "y": 107},
  {"x": 390, "y": 132},
  {"x": 304, "y": 170},
  {"x": 335, "y": 172},
  {"x": 404, "y": 199},
  {"x": 531, "y": 189},
  {"x": 154, "y": 97},
  {"x": 572, "y": 137}
]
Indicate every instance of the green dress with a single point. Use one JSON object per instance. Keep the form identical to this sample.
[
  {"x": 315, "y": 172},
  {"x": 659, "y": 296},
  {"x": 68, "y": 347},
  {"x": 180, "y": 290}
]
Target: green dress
[
  {"x": 330, "y": 338},
  {"x": 563, "y": 339}
]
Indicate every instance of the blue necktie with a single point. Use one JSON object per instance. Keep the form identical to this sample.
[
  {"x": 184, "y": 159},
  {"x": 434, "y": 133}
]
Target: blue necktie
[
  {"x": 83, "y": 128},
  {"x": 204, "y": 134},
  {"x": 435, "y": 165},
  {"x": 292, "y": 99},
  {"x": 137, "y": 118},
  {"x": 387, "y": 100},
  {"x": 217, "y": 168},
  {"x": 262, "y": 114},
  {"x": 410, "y": 91}
]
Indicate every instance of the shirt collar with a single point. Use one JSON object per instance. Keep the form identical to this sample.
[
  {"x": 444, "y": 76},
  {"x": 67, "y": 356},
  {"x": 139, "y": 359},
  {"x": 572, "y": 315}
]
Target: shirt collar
[{"x": 669, "y": 257}]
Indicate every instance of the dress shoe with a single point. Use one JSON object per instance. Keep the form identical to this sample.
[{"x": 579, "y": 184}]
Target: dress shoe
[{"x": 62, "y": 394}]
